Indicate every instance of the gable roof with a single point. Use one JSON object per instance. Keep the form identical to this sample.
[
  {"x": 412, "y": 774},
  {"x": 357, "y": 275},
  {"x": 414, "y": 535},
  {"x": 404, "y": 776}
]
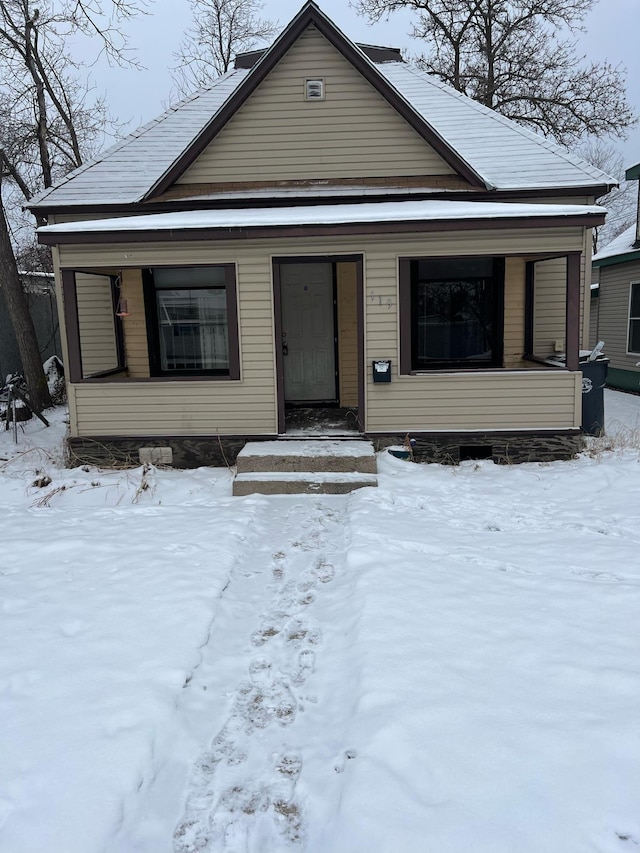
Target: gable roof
[
  {"x": 123, "y": 173},
  {"x": 506, "y": 154},
  {"x": 311, "y": 15},
  {"x": 487, "y": 149}
]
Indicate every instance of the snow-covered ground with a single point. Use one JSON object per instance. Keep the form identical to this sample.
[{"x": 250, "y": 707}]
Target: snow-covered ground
[{"x": 448, "y": 663}]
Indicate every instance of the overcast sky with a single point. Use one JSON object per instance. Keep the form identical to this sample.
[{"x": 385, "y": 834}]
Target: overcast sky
[{"x": 135, "y": 97}]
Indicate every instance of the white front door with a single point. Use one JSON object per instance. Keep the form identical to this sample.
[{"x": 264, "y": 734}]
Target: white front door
[{"x": 308, "y": 332}]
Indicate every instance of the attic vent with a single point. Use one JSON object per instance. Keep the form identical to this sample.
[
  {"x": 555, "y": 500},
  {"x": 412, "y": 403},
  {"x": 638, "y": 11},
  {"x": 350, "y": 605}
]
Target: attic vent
[{"x": 314, "y": 89}]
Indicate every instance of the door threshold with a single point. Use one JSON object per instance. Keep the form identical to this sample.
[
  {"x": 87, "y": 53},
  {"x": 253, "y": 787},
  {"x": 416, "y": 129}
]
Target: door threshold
[{"x": 326, "y": 421}]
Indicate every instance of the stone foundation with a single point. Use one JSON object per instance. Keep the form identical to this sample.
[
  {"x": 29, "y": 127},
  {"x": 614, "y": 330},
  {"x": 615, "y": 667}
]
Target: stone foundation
[
  {"x": 446, "y": 448},
  {"x": 188, "y": 451},
  {"x": 501, "y": 447}
]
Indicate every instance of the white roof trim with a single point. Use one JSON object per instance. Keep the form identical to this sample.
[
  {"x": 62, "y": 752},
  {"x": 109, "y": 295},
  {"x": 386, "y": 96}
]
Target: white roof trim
[{"x": 330, "y": 214}]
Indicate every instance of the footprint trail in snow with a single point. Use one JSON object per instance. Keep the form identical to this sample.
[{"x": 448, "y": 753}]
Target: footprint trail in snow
[{"x": 244, "y": 789}]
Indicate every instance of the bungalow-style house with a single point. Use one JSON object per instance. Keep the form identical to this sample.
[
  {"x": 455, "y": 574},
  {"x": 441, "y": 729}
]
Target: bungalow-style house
[
  {"x": 616, "y": 302},
  {"x": 325, "y": 230}
]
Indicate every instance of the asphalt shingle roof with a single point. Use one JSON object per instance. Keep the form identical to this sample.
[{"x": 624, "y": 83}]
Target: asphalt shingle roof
[
  {"x": 506, "y": 155},
  {"x": 124, "y": 172}
]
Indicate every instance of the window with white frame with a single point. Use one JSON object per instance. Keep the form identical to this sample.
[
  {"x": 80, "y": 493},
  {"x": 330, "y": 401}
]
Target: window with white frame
[{"x": 633, "y": 340}]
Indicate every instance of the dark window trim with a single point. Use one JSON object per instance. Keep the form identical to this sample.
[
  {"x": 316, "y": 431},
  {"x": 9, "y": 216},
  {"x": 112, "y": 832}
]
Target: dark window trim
[
  {"x": 572, "y": 309},
  {"x": 103, "y": 374},
  {"x": 405, "y": 297},
  {"x": 118, "y": 326},
  {"x": 572, "y": 322},
  {"x": 631, "y": 319},
  {"x": 72, "y": 327},
  {"x": 153, "y": 341},
  {"x": 529, "y": 302}
]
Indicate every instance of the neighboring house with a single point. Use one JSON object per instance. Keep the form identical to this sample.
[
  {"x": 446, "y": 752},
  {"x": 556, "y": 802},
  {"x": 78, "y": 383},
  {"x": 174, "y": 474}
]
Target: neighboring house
[
  {"x": 39, "y": 288},
  {"x": 267, "y": 245},
  {"x": 616, "y": 307}
]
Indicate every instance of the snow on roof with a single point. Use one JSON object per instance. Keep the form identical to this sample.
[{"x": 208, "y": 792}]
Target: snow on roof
[
  {"x": 124, "y": 172},
  {"x": 622, "y": 245},
  {"x": 328, "y": 214},
  {"x": 506, "y": 155}
]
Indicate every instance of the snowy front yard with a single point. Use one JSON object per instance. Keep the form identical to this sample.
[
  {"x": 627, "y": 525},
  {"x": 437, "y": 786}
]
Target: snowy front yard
[{"x": 448, "y": 663}]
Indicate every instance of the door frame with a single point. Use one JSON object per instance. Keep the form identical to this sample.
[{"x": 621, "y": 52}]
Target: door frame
[
  {"x": 333, "y": 398},
  {"x": 277, "y": 262}
]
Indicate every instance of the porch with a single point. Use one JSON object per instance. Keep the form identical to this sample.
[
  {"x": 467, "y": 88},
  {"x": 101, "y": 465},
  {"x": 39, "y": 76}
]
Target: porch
[{"x": 184, "y": 337}]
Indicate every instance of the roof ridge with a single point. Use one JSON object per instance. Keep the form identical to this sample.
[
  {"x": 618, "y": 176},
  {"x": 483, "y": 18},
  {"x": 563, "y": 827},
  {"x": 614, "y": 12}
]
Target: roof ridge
[
  {"x": 134, "y": 134},
  {"x": 543, "y": 141}
]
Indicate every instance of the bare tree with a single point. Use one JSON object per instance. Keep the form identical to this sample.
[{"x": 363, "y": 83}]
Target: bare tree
[
  {"x": 621, "y": 201},
  {"x": 23, "y": 327},
  {"x": 48, "y": 124},
  {"x": 519, "y": 57},
  {"x": 220, "y": 29}
]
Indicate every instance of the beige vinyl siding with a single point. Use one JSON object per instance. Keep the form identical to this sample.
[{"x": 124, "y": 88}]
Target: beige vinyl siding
[
  {"x": 135, "y": 325},
  {"x": 549, "y": 308},
  {"x": 516, "y": 241},
  {"x": 191, "y": 407},
  {"x": 278, "y": 135},
  {"x": 249, "y": 406},
  {"x": 170, "y": 408},
  {"x": 527, "y": 399},
  {"x": 96, "y": 323},
  {"x": 347, "y": 334},
  {"x": 613, "y": 326},
  {"x": 585, "y": 264}
]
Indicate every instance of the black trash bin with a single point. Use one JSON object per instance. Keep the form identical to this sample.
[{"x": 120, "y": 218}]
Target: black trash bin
[{"x": 594, "y": 377}]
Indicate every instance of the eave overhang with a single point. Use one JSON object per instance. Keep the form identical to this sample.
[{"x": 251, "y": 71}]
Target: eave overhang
[
  {"x": 622, "y": 258},
  {"x": 632, "y": 173},
  {"x": 311, "y": 15},
  {"x": 403, "y": 217},
  {"x": 244, "y": 200}
]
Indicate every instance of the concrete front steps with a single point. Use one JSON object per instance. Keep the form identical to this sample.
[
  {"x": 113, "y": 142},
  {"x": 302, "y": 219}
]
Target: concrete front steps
[{"x": 292, "y": 467}]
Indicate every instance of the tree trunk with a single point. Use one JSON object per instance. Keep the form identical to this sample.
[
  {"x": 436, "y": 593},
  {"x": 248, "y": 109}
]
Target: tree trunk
[{"x": 21, "y": 319}]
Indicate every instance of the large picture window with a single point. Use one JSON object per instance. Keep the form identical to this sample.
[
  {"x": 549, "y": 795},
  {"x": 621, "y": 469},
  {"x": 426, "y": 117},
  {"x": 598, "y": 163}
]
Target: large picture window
[
  {"x": 191, "y": 318},
  {"x": 633, "y": 344},
  {"x": 451, "y": 313}
]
